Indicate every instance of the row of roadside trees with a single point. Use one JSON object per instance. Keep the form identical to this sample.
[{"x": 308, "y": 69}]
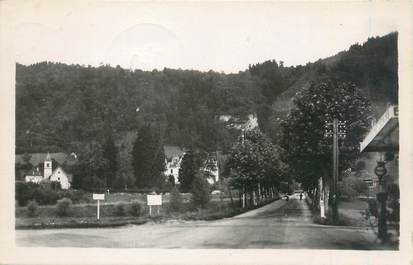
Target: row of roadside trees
[{"x": 257, "y": 166}]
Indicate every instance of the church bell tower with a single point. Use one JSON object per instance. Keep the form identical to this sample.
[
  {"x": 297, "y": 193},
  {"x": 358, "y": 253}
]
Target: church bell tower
[{"x": 47, "y": 167}]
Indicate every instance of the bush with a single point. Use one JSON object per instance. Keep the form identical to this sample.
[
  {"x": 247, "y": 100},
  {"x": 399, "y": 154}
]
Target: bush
[
  {"x": 135, "y": 208},
  {"x": 63, "y": 206},
  {"x": 24, "y": 192},
  {"x": 77, "y": 196},
  {"x": 373, "y": 207},
  {"x": 175, "y": 202},
  {"x": 55, "y": 185},
  {"x": 120, "y": 209},
  {"x": 32, "y": 208},
  {"x": 44, "y": 195},
  {"x": 351, "y": 187},
  {"x": 200, "y": 191}
]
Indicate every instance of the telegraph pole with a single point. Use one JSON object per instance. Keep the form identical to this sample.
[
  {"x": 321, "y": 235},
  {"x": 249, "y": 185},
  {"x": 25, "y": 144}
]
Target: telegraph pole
[{"x": 337, "y": 131}]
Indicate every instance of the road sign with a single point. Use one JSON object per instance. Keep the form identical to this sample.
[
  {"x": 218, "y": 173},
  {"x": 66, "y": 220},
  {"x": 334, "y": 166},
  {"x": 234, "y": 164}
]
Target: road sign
[
  {"x": 154, "y": 200},
  {"x": 97, "y": 196},
  {"x": 380, "y": 170}
]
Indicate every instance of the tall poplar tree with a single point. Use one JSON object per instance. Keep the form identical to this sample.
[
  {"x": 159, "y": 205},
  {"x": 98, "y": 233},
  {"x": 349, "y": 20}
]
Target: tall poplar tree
[{"x": 148, "y": 158}]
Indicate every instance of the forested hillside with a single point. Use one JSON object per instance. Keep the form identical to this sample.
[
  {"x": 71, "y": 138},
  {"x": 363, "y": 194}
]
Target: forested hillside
[{"x": 60, "y": 107}]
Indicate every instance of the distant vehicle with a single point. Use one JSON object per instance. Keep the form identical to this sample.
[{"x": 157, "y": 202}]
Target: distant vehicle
[{"x": 215, "y": 192}]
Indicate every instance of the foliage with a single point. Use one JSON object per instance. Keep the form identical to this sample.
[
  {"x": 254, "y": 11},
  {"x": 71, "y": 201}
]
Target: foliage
[
  {"x": 175, "y": 202},
  {"x": 135, "y": 208},
  {"x": 351, "y": 187},
  {"x": 190, "y": 165},
  {"x": 32, "y": 208},
  {"x": 148, "y": 158},
  {"x": 255, "y": 160},
  {"x": 200, "y": 190},
  {"x": 90, "y": 172},
  {"x": 55, "y": 185},
  {"x": 92, "y": 99},
  {"x": 110, "y": 153},
  {"x": 393, "y": 202},
  {"x": 372, "y": 65},
  {"x": 120, "y": 209},
  {"x": 373, "y": 207},
  {"x": 63, "y": 206},
  {"x": 24, "y": 192},
  {"x": 44, "y": 195},
  {"x": 307, "y": 151}
]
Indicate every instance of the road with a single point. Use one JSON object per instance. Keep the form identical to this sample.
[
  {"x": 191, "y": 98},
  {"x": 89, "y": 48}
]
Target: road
[{"x": 281, "y": 224}]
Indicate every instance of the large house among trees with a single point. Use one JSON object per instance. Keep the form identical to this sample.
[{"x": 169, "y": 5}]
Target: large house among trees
[{"x": 173, "y": 159}]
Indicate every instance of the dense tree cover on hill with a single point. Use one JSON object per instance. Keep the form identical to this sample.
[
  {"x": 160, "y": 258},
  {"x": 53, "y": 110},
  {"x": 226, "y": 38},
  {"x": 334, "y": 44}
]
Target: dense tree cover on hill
[
  {"x": 371, "y": 66},
  {"x": 60, "y": 107}
]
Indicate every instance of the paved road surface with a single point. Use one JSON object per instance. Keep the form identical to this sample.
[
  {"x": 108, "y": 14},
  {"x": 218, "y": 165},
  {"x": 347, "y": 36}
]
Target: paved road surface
[{"x": 280, "y": 224}]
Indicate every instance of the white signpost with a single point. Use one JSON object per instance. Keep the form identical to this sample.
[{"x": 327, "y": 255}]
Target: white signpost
[
  {"x": 154, "y": 200},
  {"x": 98, "y": 197},
  {"x": 322, "y": 203}
]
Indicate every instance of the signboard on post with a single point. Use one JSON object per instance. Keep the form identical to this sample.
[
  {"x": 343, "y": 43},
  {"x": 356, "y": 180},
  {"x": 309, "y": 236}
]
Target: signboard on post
[
  {"x": 98, "y": 197},
  {"x": 154, "y": 200}
]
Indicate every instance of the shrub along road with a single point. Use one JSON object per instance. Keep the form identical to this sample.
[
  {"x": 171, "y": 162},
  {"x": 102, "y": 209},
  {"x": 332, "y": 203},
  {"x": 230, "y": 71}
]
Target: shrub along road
[{"x": 281, "y": 224}]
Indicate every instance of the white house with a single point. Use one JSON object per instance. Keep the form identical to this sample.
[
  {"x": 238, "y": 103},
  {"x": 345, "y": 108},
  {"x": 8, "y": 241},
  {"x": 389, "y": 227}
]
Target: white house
[
  {"x": 238, "y": 123},
  {"x": 34, "y": 176},
  {"x": 60, "y": 176},
  {"x": 173, "y": 159},
  {"x": 211, "y": 166}
]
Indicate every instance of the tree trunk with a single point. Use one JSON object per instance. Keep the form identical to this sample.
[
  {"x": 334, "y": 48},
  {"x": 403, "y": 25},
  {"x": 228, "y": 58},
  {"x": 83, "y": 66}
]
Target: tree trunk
[{"x": 230, "y": 196}]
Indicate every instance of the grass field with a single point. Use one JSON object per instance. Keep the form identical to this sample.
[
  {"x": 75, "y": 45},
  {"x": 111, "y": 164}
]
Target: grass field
[{"x": 84, "y": 215}]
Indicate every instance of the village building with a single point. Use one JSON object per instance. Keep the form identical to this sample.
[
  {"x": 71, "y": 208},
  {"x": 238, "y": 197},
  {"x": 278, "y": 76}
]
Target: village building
[
  {"x": 59, "y": 175},
  {"x": 211, "y": 166},
  {"x": 240, "y": 124},
  {"x": 382, "y": 143},
  {"x": 173, "y": 160},
  {"x": 56, "y": 175},
  {"x": 34, "y": 176}
]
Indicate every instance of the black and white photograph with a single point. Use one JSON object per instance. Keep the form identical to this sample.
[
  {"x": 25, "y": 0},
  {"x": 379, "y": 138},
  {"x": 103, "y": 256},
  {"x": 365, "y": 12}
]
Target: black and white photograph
[{"x": 256, "y": 126}]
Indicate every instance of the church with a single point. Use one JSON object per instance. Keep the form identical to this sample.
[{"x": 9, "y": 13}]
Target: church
[{"x": 57, "y": 175}]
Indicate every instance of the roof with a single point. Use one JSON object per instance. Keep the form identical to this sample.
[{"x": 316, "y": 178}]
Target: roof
[
  {"x": 173, "y": 151},
  {"x": 384, "y": 135},
  {"x": 34, "y": 172},
  {"x": 37, "y": 158}
]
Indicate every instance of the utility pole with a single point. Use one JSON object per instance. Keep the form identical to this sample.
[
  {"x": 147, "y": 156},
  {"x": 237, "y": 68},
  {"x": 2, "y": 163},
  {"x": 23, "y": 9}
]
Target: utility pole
[{"x": 337, "y": 131}]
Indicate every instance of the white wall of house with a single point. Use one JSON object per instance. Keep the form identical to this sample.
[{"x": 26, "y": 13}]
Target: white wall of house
[
  {"x": 172, "y": 168},
  {"x": 34, "y": 179},
  {"x": 60, "y": 176}
]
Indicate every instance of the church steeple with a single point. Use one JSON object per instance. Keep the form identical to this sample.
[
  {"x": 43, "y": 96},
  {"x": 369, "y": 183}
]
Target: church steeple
[
  {"x": 47, "y": 166},
  {"x": 48, "y": 157}
]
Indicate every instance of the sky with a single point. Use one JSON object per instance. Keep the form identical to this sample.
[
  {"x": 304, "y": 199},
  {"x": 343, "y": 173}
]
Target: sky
[{"x": 224, "y": 37}]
